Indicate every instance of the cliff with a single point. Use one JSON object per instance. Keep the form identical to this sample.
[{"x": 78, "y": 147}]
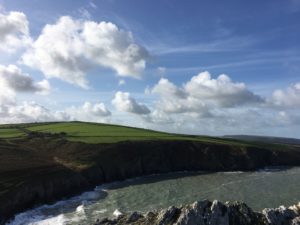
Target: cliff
[{"x": 40, "y": 170}]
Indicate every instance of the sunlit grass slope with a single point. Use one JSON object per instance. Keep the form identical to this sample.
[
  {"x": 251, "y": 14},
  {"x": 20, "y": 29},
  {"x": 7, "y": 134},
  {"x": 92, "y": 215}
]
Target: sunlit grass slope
[{"x": 101, "y": 133}]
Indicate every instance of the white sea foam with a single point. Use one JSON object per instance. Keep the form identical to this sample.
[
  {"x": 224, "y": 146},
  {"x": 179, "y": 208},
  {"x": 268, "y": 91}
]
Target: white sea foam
[
  {"x": 30, "y": 219},
  {"x": 80, "y": 209},
  {"x": 37, "y": 216},
  {"x": 117, "y": 213},
  {"x": 97, "y": 212}
]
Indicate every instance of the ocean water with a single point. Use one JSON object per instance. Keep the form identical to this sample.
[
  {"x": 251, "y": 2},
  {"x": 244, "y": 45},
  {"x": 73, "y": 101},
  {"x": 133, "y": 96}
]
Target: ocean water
[{"x": 259, "y": 189}]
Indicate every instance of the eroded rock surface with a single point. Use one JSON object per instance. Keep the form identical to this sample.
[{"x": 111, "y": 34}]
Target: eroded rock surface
[{"x": 211, "y": 213}]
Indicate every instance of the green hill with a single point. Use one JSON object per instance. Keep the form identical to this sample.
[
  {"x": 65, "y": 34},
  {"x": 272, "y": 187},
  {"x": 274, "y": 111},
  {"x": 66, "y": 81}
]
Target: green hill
[{"x": 100, "y": 133}]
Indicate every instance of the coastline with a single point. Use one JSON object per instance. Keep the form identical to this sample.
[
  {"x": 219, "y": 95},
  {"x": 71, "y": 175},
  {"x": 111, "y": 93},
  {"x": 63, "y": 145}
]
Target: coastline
[{"x": 125, "y": 160}]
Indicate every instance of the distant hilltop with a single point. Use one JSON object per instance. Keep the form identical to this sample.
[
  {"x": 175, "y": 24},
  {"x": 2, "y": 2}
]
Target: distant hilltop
[{"x": 265, "y": 139}]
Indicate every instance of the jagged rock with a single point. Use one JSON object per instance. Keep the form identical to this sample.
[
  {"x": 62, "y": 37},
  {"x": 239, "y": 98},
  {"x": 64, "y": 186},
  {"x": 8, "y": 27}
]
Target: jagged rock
[
  {"x": 212, "y": 213},
  {"x": 167, "y": 216},
  {"x": 134, "y": 217},
  {"x": 296, "y": 221},
  {"x": 279, "y": 216},
  {"x": 219, "y": 214},
  {"x": 295, "y": 208},
  {"x": 240, "y": 213},
  {"x": 195, "y": 214}
]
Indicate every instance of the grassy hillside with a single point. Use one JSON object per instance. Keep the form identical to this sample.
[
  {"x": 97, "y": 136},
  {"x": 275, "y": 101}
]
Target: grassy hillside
[{"x": 101, "y": 133}]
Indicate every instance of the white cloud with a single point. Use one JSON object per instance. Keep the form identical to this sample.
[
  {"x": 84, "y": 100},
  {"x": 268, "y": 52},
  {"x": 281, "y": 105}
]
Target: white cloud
[
  {"x": 25, "y": 112},
  {"x": 287, "y": 98},
  {"x": 121, "y": 82},
  {"x": 158, "y": 117},
  {"x": 67, "y": 49},
  {"x": 161, "y": 71},
  {"x": 222, "y": 91},
  {"x": 125, "y": 103},
  {"x": 88, "y": 112},
  {"x": 84, "y": 13},
  {"x": 14, "y": 31},
  {"x": 93, "y": 5},
  {"x": 33, "y": 112},
  {"x": 12, "y": 79},
  {"x": 202, "y": 93}
]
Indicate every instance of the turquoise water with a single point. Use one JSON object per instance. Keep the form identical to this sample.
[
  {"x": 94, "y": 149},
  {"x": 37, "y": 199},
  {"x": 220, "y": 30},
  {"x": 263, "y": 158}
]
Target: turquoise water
[{"x": 260, "y": 189}]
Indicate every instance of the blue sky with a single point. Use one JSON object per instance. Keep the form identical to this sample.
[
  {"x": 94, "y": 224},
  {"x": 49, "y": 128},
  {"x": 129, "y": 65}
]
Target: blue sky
[{"x": 152, "y": 71}]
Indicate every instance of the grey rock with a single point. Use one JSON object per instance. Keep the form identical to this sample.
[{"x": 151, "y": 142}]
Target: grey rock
[
  {"x": 219, "y": 214},
  {"x": 279, "y": 216},
  {"x": 296, "y": 221},
  {"x": 211, "y": 213},
  {"x": 167, "y": 216},
  {"x": 197, "y": 213},
  {"x": 240, "y": 213},
  {"x": 134, "y": 217}
]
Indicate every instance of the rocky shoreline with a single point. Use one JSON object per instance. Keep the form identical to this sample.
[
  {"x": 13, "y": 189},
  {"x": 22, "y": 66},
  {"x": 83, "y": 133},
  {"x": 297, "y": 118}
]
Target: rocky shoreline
[{"x": 210, "y": 213}]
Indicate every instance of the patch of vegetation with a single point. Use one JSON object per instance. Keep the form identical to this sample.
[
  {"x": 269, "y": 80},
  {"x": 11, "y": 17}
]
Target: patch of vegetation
[
  {"x": 105, "y": 133},
  {"x": 7, "y": 132}
]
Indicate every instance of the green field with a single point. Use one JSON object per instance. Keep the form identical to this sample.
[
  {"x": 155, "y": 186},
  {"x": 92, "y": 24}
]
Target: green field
[
  {"x": 10, "y": 132},
  {"x": 101, "y": 133}
]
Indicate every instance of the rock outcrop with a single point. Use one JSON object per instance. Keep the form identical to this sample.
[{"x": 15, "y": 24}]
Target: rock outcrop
[{"x": 211, "y": 213}]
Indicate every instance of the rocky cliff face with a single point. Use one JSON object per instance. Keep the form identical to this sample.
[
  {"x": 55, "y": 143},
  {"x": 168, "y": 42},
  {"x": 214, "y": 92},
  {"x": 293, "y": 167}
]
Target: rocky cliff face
[
  {"x": 211, "y": 213},
  {"x": 75, "y": 167}
]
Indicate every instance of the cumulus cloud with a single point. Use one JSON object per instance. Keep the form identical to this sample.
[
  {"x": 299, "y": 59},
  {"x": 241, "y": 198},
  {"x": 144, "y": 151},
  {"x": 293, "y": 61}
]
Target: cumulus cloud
[
  {"x": 12, "y": 79},
  {"x": 158, "y": 117},
  {"x": 125, "y": 103},
  {"x": 30, "y": 111},
  {"x": 67, "y": 49},
  {"x": 88, "y": 112},
  {"x": 25, "y": 112},
  {"x": 202, "y": 94},
  {"x": 287, "y": 98},
  {"x": 14, "y": 31}
]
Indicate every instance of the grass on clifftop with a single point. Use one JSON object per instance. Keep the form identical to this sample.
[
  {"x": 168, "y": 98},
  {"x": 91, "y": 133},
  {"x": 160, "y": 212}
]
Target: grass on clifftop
[
  {"x": 96, "y": 133},
  {"x": 101, "y": 133}
]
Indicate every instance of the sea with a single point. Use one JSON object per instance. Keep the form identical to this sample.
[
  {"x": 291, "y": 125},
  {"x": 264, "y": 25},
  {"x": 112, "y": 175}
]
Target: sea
[{"x": 267, "y": 188}]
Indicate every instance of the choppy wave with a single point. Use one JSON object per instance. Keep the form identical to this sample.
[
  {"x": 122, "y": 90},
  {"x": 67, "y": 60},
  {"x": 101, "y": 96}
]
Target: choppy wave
[{"x": 42, "y": 215}]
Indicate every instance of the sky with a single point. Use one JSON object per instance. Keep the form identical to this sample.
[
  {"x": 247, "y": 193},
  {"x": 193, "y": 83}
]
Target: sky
[{"x": 197, "y": 66}]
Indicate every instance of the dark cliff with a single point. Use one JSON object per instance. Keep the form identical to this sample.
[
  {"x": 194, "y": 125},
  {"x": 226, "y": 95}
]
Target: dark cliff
[{"x": 45, "y": 169}]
